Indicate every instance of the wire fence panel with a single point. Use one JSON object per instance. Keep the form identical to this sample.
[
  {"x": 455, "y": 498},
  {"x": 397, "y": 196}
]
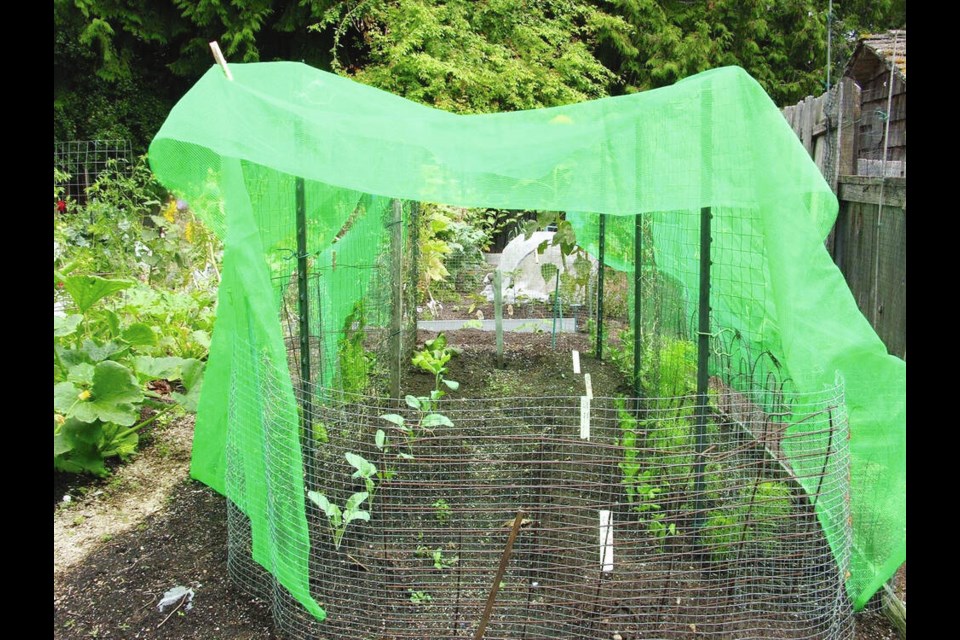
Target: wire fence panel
[
  {"x": 608, "y": 541},
  {"x": 84, "y": 160}
]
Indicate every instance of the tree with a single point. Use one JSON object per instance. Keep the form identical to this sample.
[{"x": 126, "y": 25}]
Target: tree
[{"x": 469, "y": 57}]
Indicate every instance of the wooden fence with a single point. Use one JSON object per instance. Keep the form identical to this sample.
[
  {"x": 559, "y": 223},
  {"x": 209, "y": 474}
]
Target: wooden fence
[
  {"x": 868, "y": 242},
  {"x": 869, "y": 245}
]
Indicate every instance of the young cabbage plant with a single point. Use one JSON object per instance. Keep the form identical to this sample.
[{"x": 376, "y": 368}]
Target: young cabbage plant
[{"x": 340, "y": 519}]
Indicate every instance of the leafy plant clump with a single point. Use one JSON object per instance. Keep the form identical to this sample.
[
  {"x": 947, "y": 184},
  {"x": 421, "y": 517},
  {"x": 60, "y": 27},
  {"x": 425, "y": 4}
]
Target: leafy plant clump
[
  {"x": 433, "y": 358},
  {"x": 128, "y": 228},
  {"x": 419, "y": 597},
  {"x": 355, "y": 362},
  {"x": 442, "y": 511},
  {"x": 104, "y": 378}
]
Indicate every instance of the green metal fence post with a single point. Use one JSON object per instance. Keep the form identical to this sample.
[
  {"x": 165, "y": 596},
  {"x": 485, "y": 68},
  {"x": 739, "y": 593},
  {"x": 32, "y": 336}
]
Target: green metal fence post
[
  {"x": 637, "y": 300},
  {"x": 703, "y": 360},
  {"x": 600, "y": 257},
  {"x": 303, "y": 308},
  {"x": 703, "y": 308},
  {"x": 396, "y": 308}
]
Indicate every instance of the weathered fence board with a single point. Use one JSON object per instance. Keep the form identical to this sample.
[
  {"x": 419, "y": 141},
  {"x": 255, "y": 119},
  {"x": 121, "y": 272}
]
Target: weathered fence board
[{"x": 869, "y": 247}]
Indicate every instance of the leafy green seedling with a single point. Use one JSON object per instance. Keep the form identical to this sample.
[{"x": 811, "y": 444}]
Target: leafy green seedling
[
  {"x": 365, "y": 470},
  {"x": 442, "y": 513},
  {"x": 340, "y": 519},
  {"x": 439, "y": 562}
]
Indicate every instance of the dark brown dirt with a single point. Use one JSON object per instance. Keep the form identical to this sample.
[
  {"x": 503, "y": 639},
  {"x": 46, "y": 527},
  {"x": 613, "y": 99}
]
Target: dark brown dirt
[
  {"x": 533, "y": 366},
  {"x": 113, "y": 592}
]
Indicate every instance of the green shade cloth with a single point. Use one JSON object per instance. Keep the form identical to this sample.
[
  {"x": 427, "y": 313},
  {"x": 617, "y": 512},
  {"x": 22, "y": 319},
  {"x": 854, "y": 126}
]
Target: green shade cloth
[{"x": 234, "y": 149}]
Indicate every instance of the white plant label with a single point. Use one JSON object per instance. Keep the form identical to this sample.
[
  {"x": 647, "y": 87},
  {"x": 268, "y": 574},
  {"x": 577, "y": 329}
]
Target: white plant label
[
  {"x": 606, "y": 540},
  {"x": 576, "y": 361},
  {"x": 589, "y": 384},
  {"x": 585, "y": 417}
]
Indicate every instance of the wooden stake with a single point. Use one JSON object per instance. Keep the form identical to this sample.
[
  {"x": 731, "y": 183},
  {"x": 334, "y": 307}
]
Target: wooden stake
[
  {"x": 218, "y": 56},
  {"x": 488, "y": 609}
]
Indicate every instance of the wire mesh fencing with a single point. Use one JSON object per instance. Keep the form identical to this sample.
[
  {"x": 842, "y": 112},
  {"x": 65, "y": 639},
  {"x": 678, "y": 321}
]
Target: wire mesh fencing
[
  {"x": 83, "y": 161},
  {"x": 621, "y": 531}
]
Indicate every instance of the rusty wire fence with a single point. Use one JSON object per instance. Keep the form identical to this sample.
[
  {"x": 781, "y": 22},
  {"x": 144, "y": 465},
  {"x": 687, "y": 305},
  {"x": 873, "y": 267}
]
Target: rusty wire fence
[{"x": 621, "y": 530}]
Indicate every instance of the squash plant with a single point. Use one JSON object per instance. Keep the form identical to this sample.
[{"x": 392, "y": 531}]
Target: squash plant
[{"x": 101, "y": 378}]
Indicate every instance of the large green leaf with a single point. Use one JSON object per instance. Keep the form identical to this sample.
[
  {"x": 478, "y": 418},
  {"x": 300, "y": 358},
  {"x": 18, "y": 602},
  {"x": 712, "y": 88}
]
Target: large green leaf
[
  {"x": 168, "y": 368},
  {"x": 82, "y": 459},
  {"x": 98, "y": 352},
  {"x": 81, "y": 374},
  {"x": 65, "y": 326},
  {"x": 113, "y": 396},
  {"x": 201, "y": 337},
  {"x": 332, "y": 511},
  {"x": 71, "y": 357},
  {"x": 61, "y": 442},
  {"x": 394, "y": 418},
  {"x": 65, "y": 396},
  {"x": 436, "y": 420},
  {"x": 191, "y": 375},
  {"x": 87, "y": 290},
  {"x": 364, "y": 468},
  {"x": 353, "y": 504},
  {"x": 75, "y": 448},
  {"x": 139, "y": 334}
]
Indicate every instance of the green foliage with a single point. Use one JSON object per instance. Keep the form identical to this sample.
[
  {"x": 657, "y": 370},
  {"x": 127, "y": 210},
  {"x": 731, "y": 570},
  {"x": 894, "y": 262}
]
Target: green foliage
[
  {"x": 364, "y": 470},
  {"x": 120, "y": 66},
  {"x": 666, "y": 469},
  {"x": 419, "y": 597},
  {"x": 442, "y": 513},
  {"x": 180, "y": 321},
  {"x": 450, "y": 249},
  {"x": 355, "y": 362},
  {"x": 101, "y": 372},
  {"x": 432, "y": 249},
  {"x": 761, "y": 509},
  {"x": 630, "y": 465},
  {"x": 125, "y": 210},
  {"x": 433, "y": 358},
  {"x": 641, "y": 485},
  {"x": 339, "y": 519},
  {"x": 782, "y": 43},
  {"x": 440, "y": 562},
  {"x": 673, "y": 370},
  {"x": 470, "y": 57},
  {"x": 114, "y": 336}
]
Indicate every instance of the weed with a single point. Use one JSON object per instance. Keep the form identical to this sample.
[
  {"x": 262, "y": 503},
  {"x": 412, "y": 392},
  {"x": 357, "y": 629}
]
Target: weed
[{"x": 442, "y": 513}]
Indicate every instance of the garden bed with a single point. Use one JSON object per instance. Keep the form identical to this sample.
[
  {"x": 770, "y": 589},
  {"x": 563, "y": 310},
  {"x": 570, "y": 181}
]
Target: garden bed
[
  {"x": 372, "y": 582},
  {"x": 730, "y": 547}
]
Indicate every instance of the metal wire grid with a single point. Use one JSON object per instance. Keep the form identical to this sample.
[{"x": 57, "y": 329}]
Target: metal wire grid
[
  {"x": 84, "y": 160},
  {"x": 758, "y": 566}
]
